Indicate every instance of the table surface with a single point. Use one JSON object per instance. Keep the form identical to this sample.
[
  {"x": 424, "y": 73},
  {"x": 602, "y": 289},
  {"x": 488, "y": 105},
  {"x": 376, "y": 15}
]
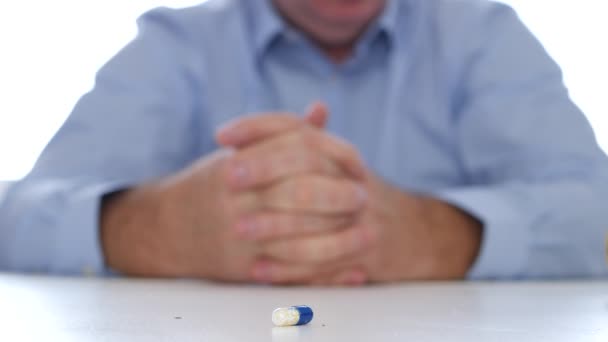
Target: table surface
[{"x": 38, "y": 308}]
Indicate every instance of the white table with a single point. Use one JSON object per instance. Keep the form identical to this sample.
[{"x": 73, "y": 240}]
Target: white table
[{"x": 56, "y": 309}]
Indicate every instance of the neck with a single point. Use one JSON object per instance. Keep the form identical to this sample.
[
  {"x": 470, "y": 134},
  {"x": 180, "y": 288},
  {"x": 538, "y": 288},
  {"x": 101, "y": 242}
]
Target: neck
[
  {"x": 338, "y": 54},
  {"x": 337, "y": 43}
]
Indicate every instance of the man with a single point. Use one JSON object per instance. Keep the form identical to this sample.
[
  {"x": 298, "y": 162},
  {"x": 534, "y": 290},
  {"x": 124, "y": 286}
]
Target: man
[{"x": 436, "y": 141}]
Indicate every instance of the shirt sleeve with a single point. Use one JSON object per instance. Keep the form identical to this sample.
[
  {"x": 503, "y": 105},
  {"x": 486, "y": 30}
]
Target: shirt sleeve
[
  {"x": 135, "y": 125},
  {"x": 537, "y": 179}
]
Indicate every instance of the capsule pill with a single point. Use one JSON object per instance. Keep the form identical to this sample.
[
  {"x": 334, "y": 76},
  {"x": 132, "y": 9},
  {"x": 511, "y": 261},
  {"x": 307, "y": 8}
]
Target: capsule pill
[{"x": 293, "y": 315}]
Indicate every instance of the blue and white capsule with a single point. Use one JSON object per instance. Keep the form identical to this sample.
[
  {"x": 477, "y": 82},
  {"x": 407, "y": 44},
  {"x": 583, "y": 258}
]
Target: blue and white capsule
[{"x": 293, "y": 315}]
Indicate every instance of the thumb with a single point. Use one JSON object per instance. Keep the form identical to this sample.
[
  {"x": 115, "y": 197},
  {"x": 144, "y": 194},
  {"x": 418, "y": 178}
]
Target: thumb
[{"x": 317, "y": 114}]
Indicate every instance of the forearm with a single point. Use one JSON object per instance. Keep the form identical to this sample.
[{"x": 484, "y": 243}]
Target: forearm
[
  {"x": 131, "y": 224},
  {"x": 545, "y": 230},
  {"x": 418, "y": 236}
]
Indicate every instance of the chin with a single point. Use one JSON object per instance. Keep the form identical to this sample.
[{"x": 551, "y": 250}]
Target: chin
[{"x": 346, "y": 11}]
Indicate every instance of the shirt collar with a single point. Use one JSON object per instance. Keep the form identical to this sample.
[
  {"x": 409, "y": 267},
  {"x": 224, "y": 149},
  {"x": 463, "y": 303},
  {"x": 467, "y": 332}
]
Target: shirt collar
[
  {"x": 268, "y": 25},
  {"x": 387, "y": 22}
]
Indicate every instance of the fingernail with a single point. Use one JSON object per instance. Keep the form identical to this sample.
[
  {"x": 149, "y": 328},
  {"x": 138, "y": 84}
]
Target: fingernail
[
  {"x": 239, "y": 175},
  {"x": 247, "y": 227}
]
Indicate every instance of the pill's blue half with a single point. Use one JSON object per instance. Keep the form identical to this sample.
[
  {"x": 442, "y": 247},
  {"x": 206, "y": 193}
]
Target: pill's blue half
[{"x": 305, "y": 314}]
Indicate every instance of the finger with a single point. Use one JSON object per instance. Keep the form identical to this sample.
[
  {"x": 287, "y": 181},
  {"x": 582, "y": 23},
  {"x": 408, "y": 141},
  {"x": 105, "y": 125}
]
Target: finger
[
  {"x": 273, "y": 159},
  {"x": 249, "y": 129},
  {"x": 317, "y": 115},
  {"x": 269, "y": 271},
  {"x": 301, "y": 151},
  {"x": 319, "y": 249},
  {"x": 335, "y": 148},
  {"x": 345, "y": 277},
  {"x": 314, "y": 194},
  {"x": 266, "y": 226},
  {"x": 273, "y": 272}
]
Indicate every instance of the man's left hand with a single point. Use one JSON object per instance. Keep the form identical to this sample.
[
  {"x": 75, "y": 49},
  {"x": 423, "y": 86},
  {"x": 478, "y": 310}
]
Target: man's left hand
[{"x": 407, "y": 237}]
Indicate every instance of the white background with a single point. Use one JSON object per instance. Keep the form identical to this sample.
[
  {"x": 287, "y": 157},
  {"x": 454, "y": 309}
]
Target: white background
[{"x": 51, "y": 49}]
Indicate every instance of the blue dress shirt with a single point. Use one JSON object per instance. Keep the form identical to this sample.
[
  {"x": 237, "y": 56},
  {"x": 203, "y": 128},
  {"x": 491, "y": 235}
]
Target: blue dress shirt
[{"x": 451, "y": 98}]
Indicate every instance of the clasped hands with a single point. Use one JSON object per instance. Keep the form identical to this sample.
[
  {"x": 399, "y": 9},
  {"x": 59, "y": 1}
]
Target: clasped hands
[{"x": 285, "y": 202}]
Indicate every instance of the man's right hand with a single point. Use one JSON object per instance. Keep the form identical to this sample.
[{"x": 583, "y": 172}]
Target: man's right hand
[
  {"x": 177, "y": 226},
  {"x": 187, "y": 225}
]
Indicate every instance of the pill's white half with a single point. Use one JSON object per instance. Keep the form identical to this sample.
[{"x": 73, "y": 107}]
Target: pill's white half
[{"x": 283, "y": 317}]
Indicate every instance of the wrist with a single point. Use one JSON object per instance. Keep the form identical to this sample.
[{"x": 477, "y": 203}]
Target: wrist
[
  {"x": 128, "y": 221},
  {"x": 456, "y": 239}
]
